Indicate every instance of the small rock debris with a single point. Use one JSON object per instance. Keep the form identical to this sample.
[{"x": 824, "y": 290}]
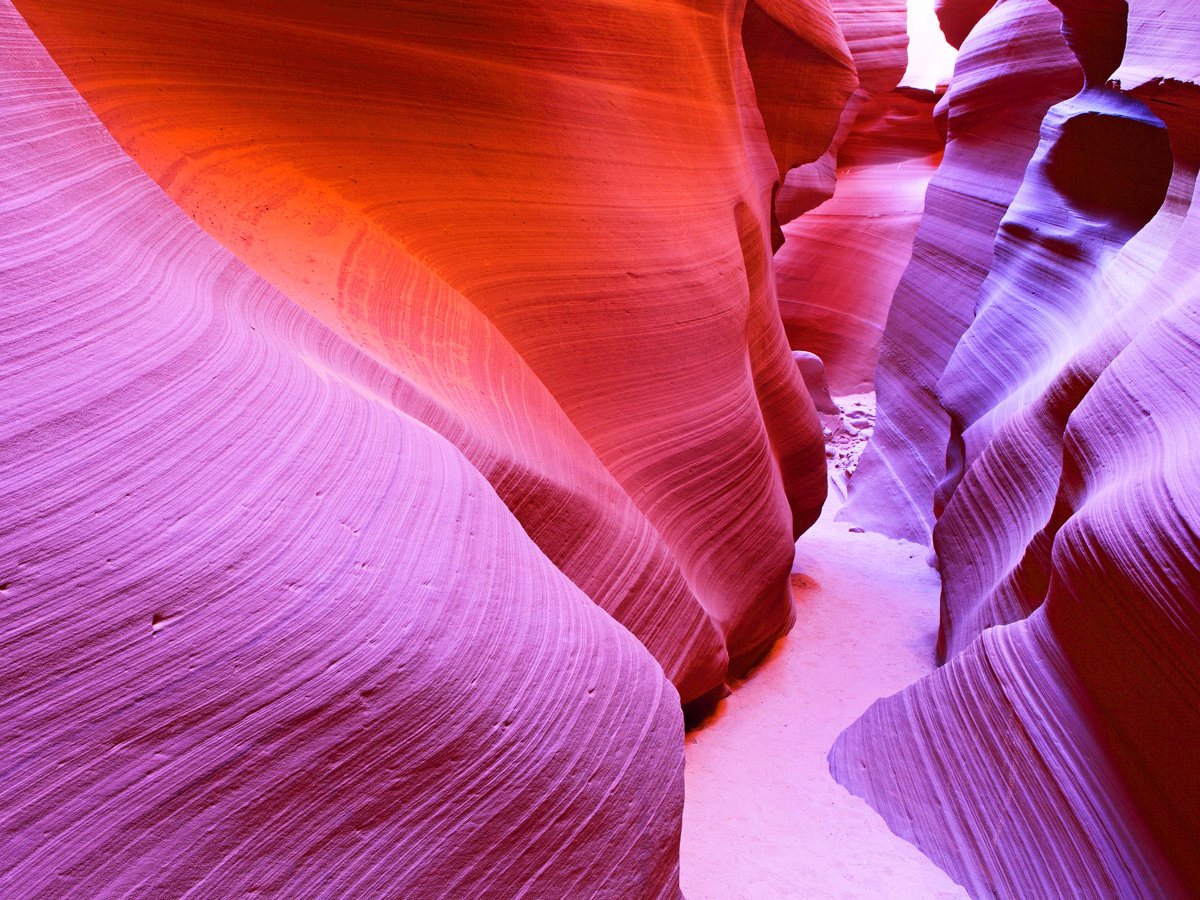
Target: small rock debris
[{"x": 846, "y": 436}]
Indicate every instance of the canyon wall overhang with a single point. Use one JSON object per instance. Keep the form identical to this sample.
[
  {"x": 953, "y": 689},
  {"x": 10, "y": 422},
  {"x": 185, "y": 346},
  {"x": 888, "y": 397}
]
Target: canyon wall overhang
[{"x": 553, "y": 223}]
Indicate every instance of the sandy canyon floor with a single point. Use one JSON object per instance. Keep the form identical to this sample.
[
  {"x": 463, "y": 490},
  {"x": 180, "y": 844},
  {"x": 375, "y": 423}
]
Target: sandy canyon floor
[{"x": 763, "y": 816}]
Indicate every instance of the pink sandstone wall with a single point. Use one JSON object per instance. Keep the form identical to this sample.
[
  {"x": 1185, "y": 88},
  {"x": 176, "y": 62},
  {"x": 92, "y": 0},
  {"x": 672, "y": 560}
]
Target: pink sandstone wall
[
  {"x": 1014, "y": 66},
  {"x": 403, "y": 424},
  {"x": 264, "y": 632},
  {"x": 335, "y": 545},
  {"x": 1055, "y": 754},
  {"x": 570, "y": 262}
]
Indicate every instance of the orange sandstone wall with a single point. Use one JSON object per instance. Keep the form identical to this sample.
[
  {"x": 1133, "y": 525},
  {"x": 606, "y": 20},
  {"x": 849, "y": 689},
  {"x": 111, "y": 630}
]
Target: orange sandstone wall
[
  {"x": 554, "y": 221},
  {"x": 264, "y": 633}
]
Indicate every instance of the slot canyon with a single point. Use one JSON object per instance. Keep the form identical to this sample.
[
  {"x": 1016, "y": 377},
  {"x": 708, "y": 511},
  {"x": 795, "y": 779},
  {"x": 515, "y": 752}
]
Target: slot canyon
[{"x": 730, "y": 449}]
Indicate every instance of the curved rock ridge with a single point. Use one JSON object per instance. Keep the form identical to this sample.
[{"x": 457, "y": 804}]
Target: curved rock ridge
[
  {"x": 1043, "y": 302},
  {"x": 554, "y": 222},
  {"x": 840, "y": 263},
  {"x": 975, "y": 776},
  {"x": 1014, "y": 66},
  {"x": 1055, "y": 753},
  {"x": 264, "y": 632},
  {"x": 828, "y": 307},
  {"x": 804, "y": 73},
  {"x": 877, "y": 40}
]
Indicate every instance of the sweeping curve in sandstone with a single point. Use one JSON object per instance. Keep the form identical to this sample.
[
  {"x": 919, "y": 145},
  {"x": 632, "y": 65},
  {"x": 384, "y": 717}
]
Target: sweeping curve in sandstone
[
  {"x": 413, "y": 407},
  {"x": 847, "y": 205},
  {"x": 264, "y": 632},
  {"x": 539, "y": 241},
  {"x": 1052, "y": 754}
]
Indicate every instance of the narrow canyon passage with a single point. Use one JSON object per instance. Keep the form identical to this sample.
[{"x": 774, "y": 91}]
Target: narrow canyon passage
[
  {"x": 415, "y": 411},
  {"x": 763, "y": 816}
]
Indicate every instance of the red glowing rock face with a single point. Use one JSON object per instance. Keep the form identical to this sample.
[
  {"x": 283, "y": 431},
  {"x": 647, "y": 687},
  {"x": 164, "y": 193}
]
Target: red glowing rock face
[
  {"x": 840, "y": 263},
  {"x": 803, "y": 75},
  {"x": 850, "y": 216},
  {"x": 565, "y": 255},
  {"x": 1055, "y": 753},
  {"x": 958, "y": 17},
  {"x": 246, "y": 631}
]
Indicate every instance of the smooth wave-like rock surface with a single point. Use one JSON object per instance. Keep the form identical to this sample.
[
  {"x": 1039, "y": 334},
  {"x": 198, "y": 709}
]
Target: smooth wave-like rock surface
[
  {"x": 804, "y": 74},
  {"x": 1013, "y": 67},
  {"x": 840, "y": 263},
  {"x": 958, "y": 17},
  {"x": 402, "y": 424},
  {"x": 877, "y": 41},
  {"x": 555, "y": 224},
  {"x": 1077, "y": 208},
  {"x": 1055, "y": 754},
  {"x": 263, "y": 632}
]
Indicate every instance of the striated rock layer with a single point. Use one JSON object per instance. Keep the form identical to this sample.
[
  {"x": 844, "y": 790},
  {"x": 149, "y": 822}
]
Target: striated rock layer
[
  {"x": 1055, "y": 754},
  {"x": 554, "y": 222},
  {"x": 840, "y": 263},
  {"x": 363, "y": 532},
  {"x": 264, "y": 632},
  {"x": 1014, "y": 66},
  {"x": 332, "y": 555}
]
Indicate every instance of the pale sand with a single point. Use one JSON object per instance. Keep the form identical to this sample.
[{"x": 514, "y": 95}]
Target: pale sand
[{"x": 763, "y": 817}]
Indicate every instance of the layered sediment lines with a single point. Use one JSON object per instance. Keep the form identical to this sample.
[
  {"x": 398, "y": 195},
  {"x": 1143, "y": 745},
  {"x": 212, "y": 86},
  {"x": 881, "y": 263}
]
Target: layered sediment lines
[
  {"x": 264, "y": 633},
  {"x": 333, "y": 547},
  {"x": 1055, "y": 751},
  {"x": 403, "y": 424},
  {"x": 1011, "y": 69},
  {"x": 554, "y": 223},
  {"x": 840, "y": 263}
]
